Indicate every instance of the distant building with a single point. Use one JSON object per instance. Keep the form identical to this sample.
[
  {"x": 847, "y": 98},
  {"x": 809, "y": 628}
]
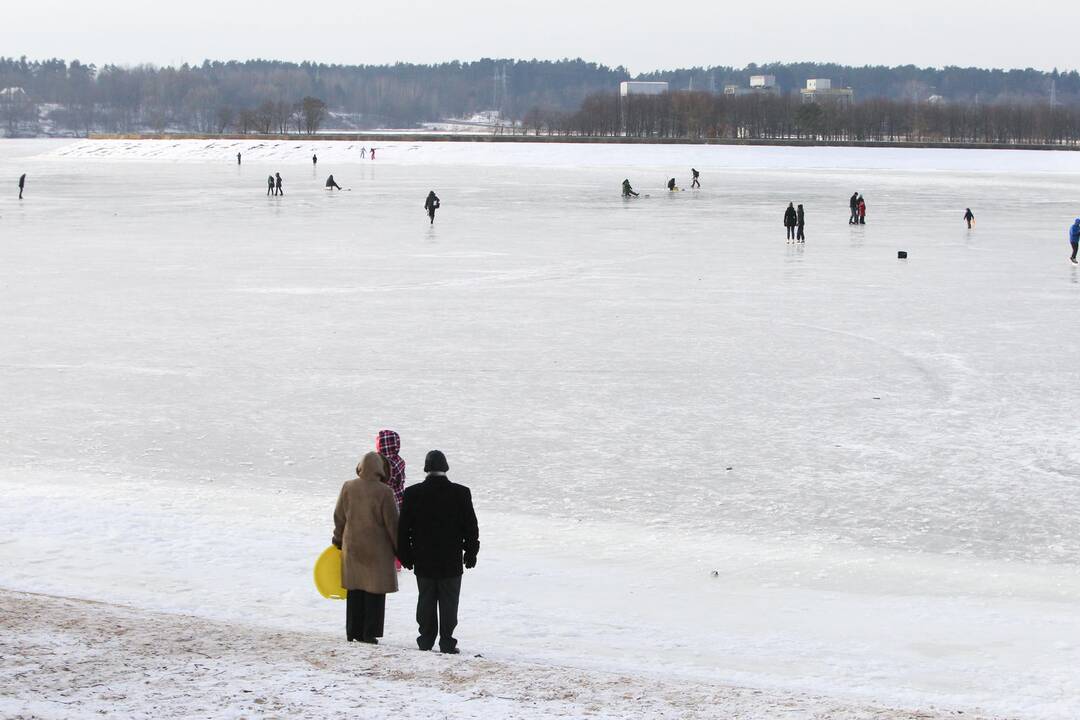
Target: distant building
[
  {"x": 759, "y": 85},
  {"x": 635, "y": 87},
  {"x": 820, "y": 90}
]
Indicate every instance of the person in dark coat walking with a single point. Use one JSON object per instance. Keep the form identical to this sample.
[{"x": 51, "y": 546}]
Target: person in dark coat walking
[
  {"x": 790, "y": 219},
  {"x": 331, "y": 183},
  {"x": 270, "y": 186},
  {"x": 431, "y": 205},
  {"x": 277, "y": 177},
  {"x": 694, "y": 181},
  {"x": 853, "y": 204},
  {"x": 314, "y": 159},
  {"x": 22, "y": 184},
  {"x": 800, "y": 223},
  {"x": 437, "y": 534},
  {"x": 237, "y": 158},
  {"x": 969, "y": 218}
]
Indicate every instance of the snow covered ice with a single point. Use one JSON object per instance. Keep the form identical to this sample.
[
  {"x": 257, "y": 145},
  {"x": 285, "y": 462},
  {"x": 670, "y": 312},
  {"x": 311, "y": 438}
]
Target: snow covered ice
[{"x": 877, "y": 457}]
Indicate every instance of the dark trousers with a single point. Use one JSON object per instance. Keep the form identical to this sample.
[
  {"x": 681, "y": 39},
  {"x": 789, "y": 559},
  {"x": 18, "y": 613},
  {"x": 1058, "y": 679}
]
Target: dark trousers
[
  {"x": 1075, "y": 246},
  {"x": 801, "y": 236},
  {"x": 364, "y": 615},
  {"x": 790, "y": 232},
  {"x": 437, "y": 594}
]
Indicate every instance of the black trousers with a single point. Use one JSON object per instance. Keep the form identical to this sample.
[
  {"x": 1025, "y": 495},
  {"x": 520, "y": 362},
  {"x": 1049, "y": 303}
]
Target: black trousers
[
  {"x": 790, "y": 232},
  {"x": 439, "y": 594},
  {"x": 364, "y": 615},
  {"x": 1075, "y": 246},
  {"x": 800, "y": 235}
]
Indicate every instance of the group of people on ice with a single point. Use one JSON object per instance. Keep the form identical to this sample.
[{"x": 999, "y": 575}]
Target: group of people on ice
[
  {"x": 381, "y": 525},
  {"x": 858, "y": 210},
  {"x": 273, "y": 185},
  {"x": 695, "y": 183},
  {"x": 795, "y": 222}
]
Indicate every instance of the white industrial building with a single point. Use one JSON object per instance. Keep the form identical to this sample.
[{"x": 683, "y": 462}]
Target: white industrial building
[
  {"x": 759, "y": 85},
  {"x": 821, "y": 90},
  {"x": 635, "y": 87}
]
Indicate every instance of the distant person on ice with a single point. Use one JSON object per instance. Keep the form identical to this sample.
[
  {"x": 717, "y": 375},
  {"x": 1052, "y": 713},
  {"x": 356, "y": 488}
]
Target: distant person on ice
[
  {"x": 363, "y": 152},
  {"x": 671, "y": 185},
  {"x": 372, "y": 153},
  {"x": 790, "y": 219},
  {"x": 854, "y": 205},
  {"x": 237, "y": 158},
  {"x": 437, "y": 534},
  {"x": 431, "y": 205},
  {"x": 277, "y": 177},
  {"x": 366, "y": 530},
  {"x": 270, "y": 186},
  {"x": 628, "y": 191},
  {"x": 862, "y": 210},
  {"x": 314, "y": 159},
  {"x": 800, "y": 223},
  {"x": 22, "y": 184},
  {"x": 969, "y": 218},
  {"x": 694, "y": 182},
  {"x": 1074, "y": 239},
  {"x": 331, "y": 183}
]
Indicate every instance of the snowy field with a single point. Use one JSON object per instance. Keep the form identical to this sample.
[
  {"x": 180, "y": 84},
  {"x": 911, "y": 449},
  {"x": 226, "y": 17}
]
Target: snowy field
[{"x": 707, "y": 464}]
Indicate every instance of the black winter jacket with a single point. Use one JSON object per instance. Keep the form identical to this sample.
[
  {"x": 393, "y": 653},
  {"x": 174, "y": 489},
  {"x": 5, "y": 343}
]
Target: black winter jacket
[{"x": 437, "y": 528}]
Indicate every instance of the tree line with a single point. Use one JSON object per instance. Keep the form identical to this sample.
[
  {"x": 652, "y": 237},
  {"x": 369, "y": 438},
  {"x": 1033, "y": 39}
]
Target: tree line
[
  {"x": 703, "y": 116},
  {"x": 267, "y": 96}
]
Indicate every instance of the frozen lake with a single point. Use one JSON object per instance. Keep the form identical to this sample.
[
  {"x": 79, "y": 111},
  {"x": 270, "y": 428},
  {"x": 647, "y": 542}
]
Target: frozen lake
[{"x": 653, "y": 386}]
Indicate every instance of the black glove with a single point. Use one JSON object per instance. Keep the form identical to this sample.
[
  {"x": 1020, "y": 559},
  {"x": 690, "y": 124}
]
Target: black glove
[
  {"x": 336, "y": 544},
  {"x": 470, "y": 561}
]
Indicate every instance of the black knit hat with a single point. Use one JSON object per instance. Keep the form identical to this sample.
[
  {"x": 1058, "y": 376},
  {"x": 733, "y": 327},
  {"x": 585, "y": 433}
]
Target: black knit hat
[{"x": 435, "y": 462}]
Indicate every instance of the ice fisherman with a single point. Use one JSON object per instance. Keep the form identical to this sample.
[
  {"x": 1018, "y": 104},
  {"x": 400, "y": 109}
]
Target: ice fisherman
[
  {"x": 331, "y": 183},
  {"x": 800, "y": 224},
  {"x": 1074, "y": 239},
  {"x": 671, "y": 185},
  {"x": 277, "y": 177},
  {"x": 853, "y": 204},
  {"x": 437, "y": 534},
  {"x": 270, "y": 188},
  {"x": 790, "y": 218},
  {"x": 628, "y": 191},
  {"x": 22, "y": 184},
  {"x": 366, "y": 532},
  {"x": 695, "y": 181},
  {"x": 969, "y": 218},
  {"x": 431, "y": 205}
]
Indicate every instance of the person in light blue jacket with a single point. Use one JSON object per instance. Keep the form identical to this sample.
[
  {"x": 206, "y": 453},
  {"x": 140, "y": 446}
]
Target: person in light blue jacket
[{"x": 1074, "y": 238}]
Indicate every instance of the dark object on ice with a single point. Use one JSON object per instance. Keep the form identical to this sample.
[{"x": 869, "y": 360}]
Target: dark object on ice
[
  {"x": 671, "y": 184},
  {"x": 902, "y": 255},
  {"x": 438, "y": 534},
  {"x": 853, "y": 204},
  {"x": 331, "y": 183},
  {"x": 237, "y": 158},
  {"x": 790, "y": 218},
  {"x": 627, "y": 191},
  {"x": 800, "y": 222},
  {"x": 431, "y": 205},
  {"x": 969, "y": 217},
  {"x": 277, "y": 177},
  {"x": 694, "y": 182},
  {"x": 270, "y": 186},
  {"x": 715, "y": 573},
  {"x": 314, "y": 159},
  {"x": 22, "y": 184}
]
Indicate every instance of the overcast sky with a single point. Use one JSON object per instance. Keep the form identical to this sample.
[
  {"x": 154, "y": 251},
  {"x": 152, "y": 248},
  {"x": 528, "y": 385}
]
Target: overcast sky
[{"x": 640, "y": 35}]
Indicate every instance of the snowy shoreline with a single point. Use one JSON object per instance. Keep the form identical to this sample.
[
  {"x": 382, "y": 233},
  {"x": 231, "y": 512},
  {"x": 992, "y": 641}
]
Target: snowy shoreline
[{"x": 64, "y": 658}]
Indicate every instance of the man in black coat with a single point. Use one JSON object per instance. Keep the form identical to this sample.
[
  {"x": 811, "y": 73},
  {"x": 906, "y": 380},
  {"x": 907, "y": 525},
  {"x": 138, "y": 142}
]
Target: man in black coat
[{"x": 437, "y": 534}]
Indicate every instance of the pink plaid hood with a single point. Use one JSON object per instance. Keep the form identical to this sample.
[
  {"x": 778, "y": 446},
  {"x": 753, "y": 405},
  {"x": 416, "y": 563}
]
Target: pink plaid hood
[{"x": 388, "y": 444}]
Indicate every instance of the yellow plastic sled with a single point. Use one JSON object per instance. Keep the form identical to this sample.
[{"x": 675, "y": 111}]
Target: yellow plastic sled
[{"x": 328, "y": 574}]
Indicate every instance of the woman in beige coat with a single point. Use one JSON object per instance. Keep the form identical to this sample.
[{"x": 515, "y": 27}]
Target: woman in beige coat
[{"x": 365, "y": 528}]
